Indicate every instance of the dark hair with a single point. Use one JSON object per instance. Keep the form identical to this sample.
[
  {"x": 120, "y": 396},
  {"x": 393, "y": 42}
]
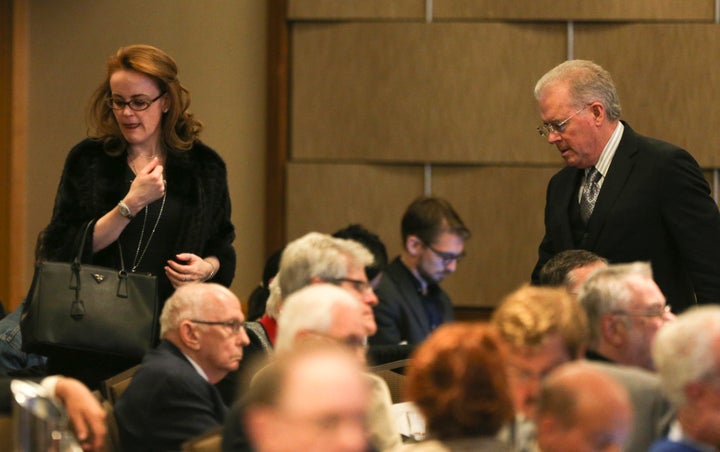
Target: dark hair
[
  {"x": 457, "y": 379},
  {"x": 427, "y": 217},
  {"x": 179, "y": 127},
  {"x": 555, "y": 270},
  {"x": 370, "y": 241},
  {"x": 258, "y": 297}
]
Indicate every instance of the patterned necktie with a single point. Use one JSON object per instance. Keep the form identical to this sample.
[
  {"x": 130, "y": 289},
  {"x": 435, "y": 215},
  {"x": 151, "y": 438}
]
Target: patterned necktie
[{"x": 590, "y": 194}]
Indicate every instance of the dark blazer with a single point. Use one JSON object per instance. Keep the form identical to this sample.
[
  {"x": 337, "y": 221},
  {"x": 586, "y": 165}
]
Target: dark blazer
[
  {"x": 400, "y": 315},
  {"x": 166, "y": 403},
  {"x": 654, "y": 205}
]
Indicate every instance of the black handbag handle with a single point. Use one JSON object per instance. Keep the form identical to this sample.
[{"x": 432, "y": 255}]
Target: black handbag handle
[{"x": 77, "y": 309}]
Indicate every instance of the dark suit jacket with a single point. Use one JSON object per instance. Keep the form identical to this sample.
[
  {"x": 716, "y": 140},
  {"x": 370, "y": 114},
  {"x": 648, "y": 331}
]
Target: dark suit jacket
[
  {"x": 655, "y": 206},
  {"x": 400, "y": 314},
  {"x": 166, "y": 403}
]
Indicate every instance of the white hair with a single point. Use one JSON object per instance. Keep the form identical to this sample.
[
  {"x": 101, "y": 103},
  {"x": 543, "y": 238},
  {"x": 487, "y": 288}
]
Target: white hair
[
  {"x": 588, "y": 82},
  {"x": 310, "y": 309},
  {"x": 188, "y": 302},
  {"x": 609, "y": 289},
  {"x": 686, "y": 351},
  {"x": 317, "y": 255},
  {"x": 272, "y": 306}
]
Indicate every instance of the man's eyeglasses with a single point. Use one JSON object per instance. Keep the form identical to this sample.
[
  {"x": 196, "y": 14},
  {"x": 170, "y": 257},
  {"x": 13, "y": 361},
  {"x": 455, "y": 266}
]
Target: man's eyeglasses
[
  {"x": 357, "y": 284},
  {"x": 446, "y": 258},
  {"x": 135, "y": 104},
  {"x": 657, "y": 312},
  {"x": 234, "y": 325},
  {"x": 547, "y": 128}
]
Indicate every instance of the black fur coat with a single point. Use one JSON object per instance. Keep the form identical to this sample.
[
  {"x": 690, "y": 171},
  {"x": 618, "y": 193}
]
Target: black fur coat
[{"x": 93, "y": 182}]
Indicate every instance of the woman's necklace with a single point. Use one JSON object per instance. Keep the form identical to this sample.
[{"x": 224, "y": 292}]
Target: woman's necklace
[{"x": 138, "y": 255}]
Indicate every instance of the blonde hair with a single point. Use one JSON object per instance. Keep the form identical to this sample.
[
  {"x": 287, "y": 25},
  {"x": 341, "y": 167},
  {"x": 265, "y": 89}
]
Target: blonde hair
[{"x": 527, "y": 316}]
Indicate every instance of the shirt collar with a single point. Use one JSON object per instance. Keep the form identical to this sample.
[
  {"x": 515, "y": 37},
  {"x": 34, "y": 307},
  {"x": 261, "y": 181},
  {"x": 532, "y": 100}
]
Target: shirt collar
[
  {"x": 608, "y": 152},
  {"x": 197, "y": 367},
  {"x": 676, "y": 434}
]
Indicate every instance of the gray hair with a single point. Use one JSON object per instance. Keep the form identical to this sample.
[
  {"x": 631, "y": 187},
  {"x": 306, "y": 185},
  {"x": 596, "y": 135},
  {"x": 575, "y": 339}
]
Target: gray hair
[
  {"x": 187, "y": 302},
  {"x": 686, "y": 351},
  {"x": 588, "y": 82},
  {"x": 272, "y": 306},
  {"x": 319, "y": 255},
  {"x": 609, "y": 289},
  {"x": 310, "y": 309}
]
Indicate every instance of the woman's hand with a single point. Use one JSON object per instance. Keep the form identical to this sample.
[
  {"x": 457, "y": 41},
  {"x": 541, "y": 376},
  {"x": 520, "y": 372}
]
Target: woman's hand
[
  {"x": 148, "y": 186},
  {"x": 188, "y": 268}
]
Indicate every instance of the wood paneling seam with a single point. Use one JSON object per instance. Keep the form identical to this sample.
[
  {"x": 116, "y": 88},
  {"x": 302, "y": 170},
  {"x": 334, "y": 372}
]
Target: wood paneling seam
[
  {"x": 429, "y": 11},
  {"x": 571, "y": 40}
]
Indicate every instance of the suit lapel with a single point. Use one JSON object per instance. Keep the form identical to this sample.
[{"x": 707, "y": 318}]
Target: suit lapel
[
  {"x": 566, "y": 193},
  {"x": 409, "y": 292},
  {"x": 620, "y": 169}
]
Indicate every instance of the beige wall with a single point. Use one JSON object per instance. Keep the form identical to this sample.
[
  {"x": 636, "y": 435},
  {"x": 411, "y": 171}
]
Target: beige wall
[{"x": 219, "y": 46}]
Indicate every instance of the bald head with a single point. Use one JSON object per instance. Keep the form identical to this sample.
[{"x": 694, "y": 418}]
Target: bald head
[{"x": 582, "y": 408}]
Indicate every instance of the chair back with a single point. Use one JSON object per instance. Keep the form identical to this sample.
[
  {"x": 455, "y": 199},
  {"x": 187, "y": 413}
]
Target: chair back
[
  {"x": 210, "y": 441},
  {"x": 116, "y": 385},
  {"x": 393, "y": 374},
  {"x": 112, "y": 441}
]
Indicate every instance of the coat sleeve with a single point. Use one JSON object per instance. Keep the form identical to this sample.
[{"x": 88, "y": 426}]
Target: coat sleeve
[{"x": 691, "y": 216}]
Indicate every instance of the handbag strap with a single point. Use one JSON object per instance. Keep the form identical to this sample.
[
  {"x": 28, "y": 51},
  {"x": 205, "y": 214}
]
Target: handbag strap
[
  {"x": 81, "y": 248},
  {"x": 77, "y": 308}
]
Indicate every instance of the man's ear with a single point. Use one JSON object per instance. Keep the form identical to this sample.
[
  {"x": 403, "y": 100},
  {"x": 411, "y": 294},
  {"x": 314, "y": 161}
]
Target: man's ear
[
  {"x": 612, "y": 330},
  {"x": 598, "y": 112},
  {"x": 413, "y": 245},
  {"x": 189, "y": 335}
]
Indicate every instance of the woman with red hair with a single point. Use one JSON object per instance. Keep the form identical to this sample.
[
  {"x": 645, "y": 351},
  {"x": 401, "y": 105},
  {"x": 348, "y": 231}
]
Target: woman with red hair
[{"x": 458, "y": 382}]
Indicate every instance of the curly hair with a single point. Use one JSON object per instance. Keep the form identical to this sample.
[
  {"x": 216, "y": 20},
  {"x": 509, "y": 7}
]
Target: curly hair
[
  {"x": 179, "y": 127},
  {"x": 527, "y": 316},
  {"x": 457, "y": 380}
]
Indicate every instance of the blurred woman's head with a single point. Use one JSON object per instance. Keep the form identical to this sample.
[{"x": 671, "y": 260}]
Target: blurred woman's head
[{"x": 457, "y": 380}]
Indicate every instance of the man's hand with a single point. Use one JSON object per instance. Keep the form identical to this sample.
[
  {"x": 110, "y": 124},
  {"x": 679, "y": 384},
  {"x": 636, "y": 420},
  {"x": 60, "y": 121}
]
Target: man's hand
[{"x": 85, "y": 412}]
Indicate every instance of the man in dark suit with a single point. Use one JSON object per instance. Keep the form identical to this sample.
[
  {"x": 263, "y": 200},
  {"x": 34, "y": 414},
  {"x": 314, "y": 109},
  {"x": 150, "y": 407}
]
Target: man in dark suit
[
  {"x": 411, "y": 303},
  {"x": 624, "y": 196},
  {"x": 171, "y": 397}
]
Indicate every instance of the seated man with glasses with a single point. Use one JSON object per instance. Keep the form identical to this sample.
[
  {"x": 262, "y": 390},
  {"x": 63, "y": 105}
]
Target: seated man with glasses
[
  {"x": 625, "y": 310},
  {"x": 171, "y": 397},
  {"x": 411, "y": 302}
]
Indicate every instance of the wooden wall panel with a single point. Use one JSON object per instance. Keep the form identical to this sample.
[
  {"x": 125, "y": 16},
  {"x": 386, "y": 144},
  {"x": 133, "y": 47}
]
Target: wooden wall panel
[
  {"x": 356, "y": 9},
  {"x": 607, "y": 10},
  {"x": 325, "y": 197},
  {"x": 6, "y": 68},
  {"x": 668, "y": 84},
  {"x": 403, "y": 92},
  {"x": 503, "y": 207}
]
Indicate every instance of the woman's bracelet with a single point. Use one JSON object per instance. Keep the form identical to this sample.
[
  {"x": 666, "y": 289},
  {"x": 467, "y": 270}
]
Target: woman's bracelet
[{"x": 212, "y": 271}]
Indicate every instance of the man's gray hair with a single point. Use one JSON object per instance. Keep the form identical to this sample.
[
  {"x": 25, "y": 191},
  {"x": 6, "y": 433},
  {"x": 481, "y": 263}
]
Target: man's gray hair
[
  {"x": 610, "y": 289},
  {"x": 310, "y": 309},
  {"x": 318, "y": 255},
  {"x": 272, "y": 306},
  {"x": 188, "y": 302},
  {"x": 588, "y": 82},
  {"x": 687, "y": 350}
]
